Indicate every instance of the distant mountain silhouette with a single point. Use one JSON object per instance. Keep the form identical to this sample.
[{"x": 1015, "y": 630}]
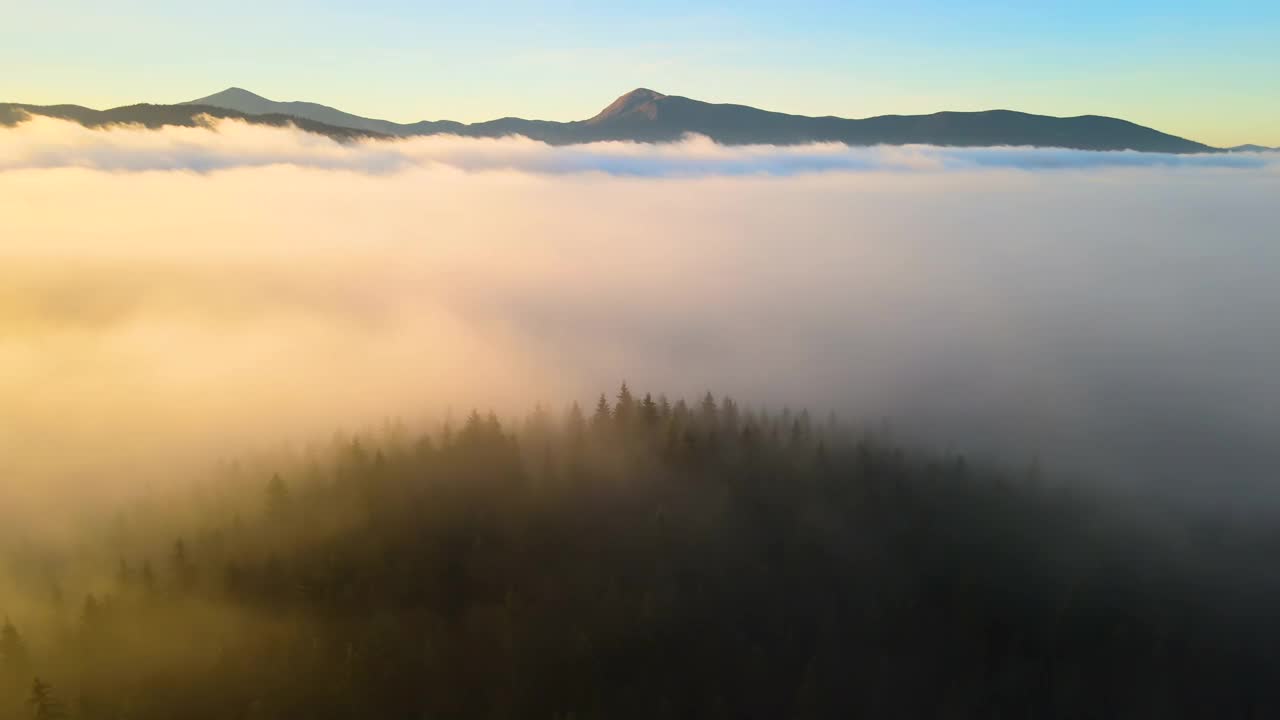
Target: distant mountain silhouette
[
  {"x": 649, "y": 116},
  {"x": 156, "y": 116},
  {"x": 644, "y": 115},
  {"x": 249, "y": 103},
  {"x": 1252, "y": 148}
]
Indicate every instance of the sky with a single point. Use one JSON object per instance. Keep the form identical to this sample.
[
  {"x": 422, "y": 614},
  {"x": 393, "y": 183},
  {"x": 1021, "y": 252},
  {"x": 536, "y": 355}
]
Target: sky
[{"x": 1202, "y": 70}]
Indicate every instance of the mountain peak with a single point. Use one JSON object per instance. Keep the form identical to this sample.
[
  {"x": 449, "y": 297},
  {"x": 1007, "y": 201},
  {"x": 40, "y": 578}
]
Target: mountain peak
[
  {"x": 641, "y": 101},
  {"x": 641, "y": 95},
  {"x": 230, "y": 95}
]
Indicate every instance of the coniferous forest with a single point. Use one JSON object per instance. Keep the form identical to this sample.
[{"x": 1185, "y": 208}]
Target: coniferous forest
[{"x": 640, "y": 559}]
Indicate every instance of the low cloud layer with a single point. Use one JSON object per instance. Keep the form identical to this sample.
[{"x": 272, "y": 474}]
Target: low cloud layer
[
  {"x": 1111, "y": 317},
  {"x": 44, "y": 143}
]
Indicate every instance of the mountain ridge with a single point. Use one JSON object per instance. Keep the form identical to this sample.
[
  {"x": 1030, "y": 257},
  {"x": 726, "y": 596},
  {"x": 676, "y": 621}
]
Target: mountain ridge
[
  {"x": 645, "y": 115},
  {"x": 157, "y": 116}
]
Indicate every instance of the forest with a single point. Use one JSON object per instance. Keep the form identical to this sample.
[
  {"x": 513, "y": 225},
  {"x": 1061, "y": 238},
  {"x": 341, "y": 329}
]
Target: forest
[{"x": 642, "y": 558}]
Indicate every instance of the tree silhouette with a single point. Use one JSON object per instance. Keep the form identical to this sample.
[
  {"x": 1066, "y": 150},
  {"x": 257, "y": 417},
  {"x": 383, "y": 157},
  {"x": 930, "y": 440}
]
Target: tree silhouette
[
  {"x": 624, "y": 410},
  {"x": 14, "y": 659},
  {"x": 184, "y": 571},
  {"x": 277, "y": 496},
  {"x": 43, "y": 703},
  {"x": 708, "y": 413},
  {"x": 719, "y": 561},
  {"x": 575, "y": 424},
  {"x": 603, "y": 415},
  {"x": 648, "y": 412},
  {"x": 124, "y": 575}
]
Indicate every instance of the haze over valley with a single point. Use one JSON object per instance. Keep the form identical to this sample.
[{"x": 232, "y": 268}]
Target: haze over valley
[{"x": 678, "y": 409}]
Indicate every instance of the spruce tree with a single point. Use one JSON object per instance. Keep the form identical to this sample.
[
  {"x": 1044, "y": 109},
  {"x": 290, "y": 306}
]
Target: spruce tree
[
  {"x": 277, "y": 496},
  {"x": 625, "y": 409},
  {"x": 14, "y": 660},
  {"x": 708, "y": 413},
  {"x": 43, "y": 703},
  {"x": 648, "y": 411},
  {"x": 603, "y": 415}
]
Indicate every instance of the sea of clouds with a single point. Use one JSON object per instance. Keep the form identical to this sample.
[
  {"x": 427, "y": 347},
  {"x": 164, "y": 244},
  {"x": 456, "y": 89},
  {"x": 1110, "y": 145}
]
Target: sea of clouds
[
  {"x": 222, "y": 145},
  {"x": 171, "y": 296}
]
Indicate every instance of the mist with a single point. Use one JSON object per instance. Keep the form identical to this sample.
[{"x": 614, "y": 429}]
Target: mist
[
  {"x": 214, "y": 145},
  {"x": 171, "y": 297}
]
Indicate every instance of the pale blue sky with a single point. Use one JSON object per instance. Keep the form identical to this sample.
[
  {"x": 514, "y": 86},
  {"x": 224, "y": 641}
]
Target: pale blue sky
[{"x": 1209, "y": 71}]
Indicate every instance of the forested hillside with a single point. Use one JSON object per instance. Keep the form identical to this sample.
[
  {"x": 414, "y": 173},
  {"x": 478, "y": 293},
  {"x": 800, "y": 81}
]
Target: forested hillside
[{"x": 642, "y": 559}]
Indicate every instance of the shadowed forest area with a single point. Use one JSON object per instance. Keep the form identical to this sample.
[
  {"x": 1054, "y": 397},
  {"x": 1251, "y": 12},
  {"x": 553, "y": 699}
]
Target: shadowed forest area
[{"x": 640, "y": 559}]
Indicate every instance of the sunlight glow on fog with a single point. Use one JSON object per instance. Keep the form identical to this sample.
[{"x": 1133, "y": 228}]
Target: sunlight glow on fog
[{"x": 1104, "y": 314}]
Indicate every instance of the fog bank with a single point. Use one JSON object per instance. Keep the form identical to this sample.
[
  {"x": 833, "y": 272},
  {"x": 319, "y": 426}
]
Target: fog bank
[
  {"x": 1112, "y": 316},
  {"x": 227, "y": 144}
]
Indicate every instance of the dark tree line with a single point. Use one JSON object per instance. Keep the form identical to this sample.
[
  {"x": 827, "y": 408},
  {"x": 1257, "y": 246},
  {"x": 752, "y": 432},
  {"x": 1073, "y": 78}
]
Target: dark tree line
[{"x": 651, "y": 559}]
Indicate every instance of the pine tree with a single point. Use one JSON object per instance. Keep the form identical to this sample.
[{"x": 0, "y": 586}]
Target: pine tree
[
  {"x": 680, "y": 412},
  {"x": 124, "y": 575},
  {"x": 708, "y": 414},
  {"x": 277, "y": 496},
  {"x": 183, "y": 570},
  {"x": 14, "y": 660},
  {"x": 729, "y": 416},
  {"x": 602, "y": 416},
  {"x": 43, "y": 703},
  {"x": 92, "y": 623},
  {"x": 625, "y": 410},
  {"x": 91, "y": 612},
  {"x": 575, "y": 424},
  {"x": 648, "y": 411},
  {"x": 537, "y": 426}
]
